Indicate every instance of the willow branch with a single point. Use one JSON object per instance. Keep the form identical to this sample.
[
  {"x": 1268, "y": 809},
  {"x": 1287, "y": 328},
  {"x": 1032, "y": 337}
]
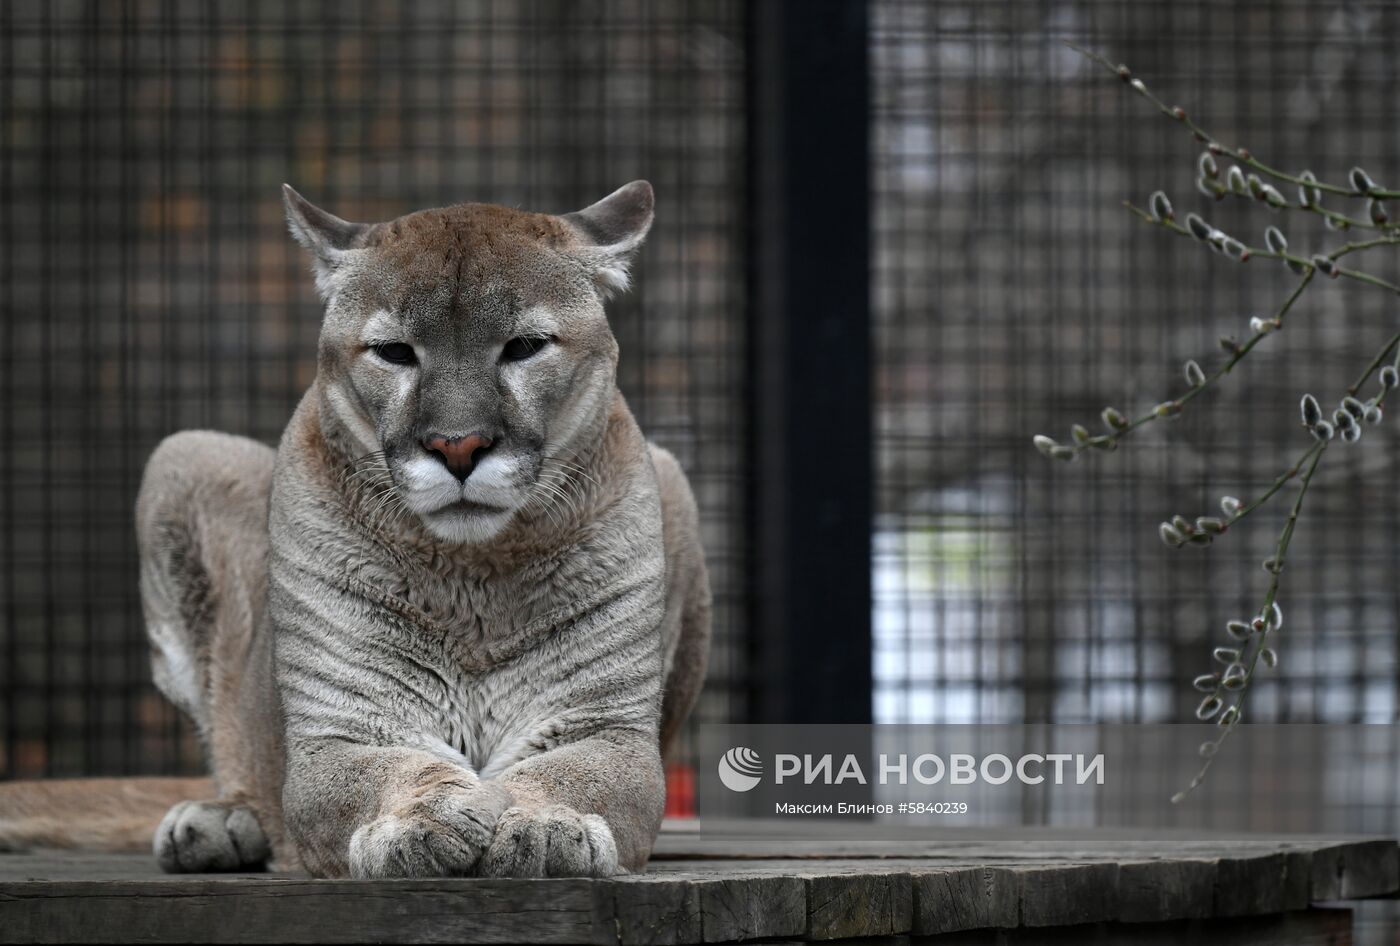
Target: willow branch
[{"x": 1204, "y": 137}]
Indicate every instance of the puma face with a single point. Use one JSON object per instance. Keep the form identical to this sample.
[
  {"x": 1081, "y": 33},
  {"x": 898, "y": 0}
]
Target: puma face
[{"x": 467, "y": 347}]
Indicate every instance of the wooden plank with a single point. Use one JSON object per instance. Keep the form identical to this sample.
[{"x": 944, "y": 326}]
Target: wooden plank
[
  {"x": 1251, "y": 885},
  {"x": 965, "y": 899},
  {"x": 656, "y": 911},
  {"x": 1152, "y": 891},
  {"x": 1297, "y": 880},
  {"x": 820, "y": 899},
  {"x": 34, "y": 866},
  {"x": 1064, "y": 895},
  {"x": 740, "y": 908},
  {"x": 710, "y": 907},
  {"x": 1306, "y": 928},
  {"x": 975, "y": 842},
  {"x": 252, "y": 911},
  {"x": 872, "y": 903},
  {"x": 969, "y": 882},
  {"x": 1365, "y": 868}
]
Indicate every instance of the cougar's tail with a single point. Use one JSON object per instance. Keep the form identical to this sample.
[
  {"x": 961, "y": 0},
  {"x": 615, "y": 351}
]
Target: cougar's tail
[{"x": 94, "y": 814}]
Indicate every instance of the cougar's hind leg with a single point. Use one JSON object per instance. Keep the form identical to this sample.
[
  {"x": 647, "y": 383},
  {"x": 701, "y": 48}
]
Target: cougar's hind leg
[
  {"x": 202, "y": 532},
  {"x": 685, "y": 628}
]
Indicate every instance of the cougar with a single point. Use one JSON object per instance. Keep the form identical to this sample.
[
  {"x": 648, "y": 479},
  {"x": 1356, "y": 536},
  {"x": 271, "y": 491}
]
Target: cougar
[{"x": 451, "y": 624}]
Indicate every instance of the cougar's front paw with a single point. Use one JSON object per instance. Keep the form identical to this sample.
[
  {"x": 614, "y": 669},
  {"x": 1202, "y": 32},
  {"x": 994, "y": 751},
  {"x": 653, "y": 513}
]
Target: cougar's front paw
[
  {"x": 441, "y": 834},
  {"x": 551, "y": 841},
  {"x": 203, "y": 836}
]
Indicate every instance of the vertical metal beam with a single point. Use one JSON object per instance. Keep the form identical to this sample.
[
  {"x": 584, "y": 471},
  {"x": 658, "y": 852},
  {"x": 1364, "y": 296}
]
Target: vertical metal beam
[{"x": 809, "y": 181}]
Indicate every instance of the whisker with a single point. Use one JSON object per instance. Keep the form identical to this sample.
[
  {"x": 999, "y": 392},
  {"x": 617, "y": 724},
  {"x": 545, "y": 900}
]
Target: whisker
[
  {"x": 560, "y": 504},
  {"x": 569, "y": 494},
  {"x": 574, "y": 467},
  {"x": 552, "y": 496}
]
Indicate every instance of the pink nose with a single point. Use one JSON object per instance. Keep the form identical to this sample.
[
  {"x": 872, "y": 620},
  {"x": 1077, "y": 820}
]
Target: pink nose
[{"x": 457, "y": 452}]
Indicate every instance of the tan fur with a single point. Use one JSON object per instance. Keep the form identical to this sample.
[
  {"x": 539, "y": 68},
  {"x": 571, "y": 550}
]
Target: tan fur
[
  {"x": 687, "y": 622},
  {"x": 393, "y": 681},
  {"x": 98, "y": 814}
]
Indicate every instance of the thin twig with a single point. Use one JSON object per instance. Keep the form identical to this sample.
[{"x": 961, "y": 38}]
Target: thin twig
[
  {"x": 1235, "y": 712},
  {"x": 1264, "y": 253},
  {"x": 1275, "y": 565},
  {"x": 1173, "y": 407},
  {"x": 1204, "y": 137},
  {"x": 1227, "y": 691}
]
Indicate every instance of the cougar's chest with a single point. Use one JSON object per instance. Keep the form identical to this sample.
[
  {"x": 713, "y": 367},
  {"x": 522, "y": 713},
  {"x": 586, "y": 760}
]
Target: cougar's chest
[
  {"x": 462, "y": 602},
  {"x": 491, "y": 647},
  {"x": 493, "y": 717}
]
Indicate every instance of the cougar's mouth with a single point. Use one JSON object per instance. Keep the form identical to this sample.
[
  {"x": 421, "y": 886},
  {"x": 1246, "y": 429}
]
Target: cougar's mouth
[{"x": 470, "y": 506}]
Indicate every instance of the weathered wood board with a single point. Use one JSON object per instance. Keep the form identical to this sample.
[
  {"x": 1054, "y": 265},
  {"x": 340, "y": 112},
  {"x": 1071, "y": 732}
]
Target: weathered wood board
[{"x": 724, "y": 883}]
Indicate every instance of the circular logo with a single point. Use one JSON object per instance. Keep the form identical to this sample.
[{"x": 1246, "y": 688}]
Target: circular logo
[{"x": 740, "y": 769}]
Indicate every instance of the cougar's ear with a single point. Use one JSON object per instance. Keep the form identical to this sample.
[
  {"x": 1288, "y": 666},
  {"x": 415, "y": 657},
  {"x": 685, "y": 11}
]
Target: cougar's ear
[
  {"x": 329, "y": 238},
  {"x": 611, "y": 231}
]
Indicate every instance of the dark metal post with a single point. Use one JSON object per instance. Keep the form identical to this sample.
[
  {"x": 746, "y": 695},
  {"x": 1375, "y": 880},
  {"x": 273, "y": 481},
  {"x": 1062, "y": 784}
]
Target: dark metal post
[{"x": 810, "y": 359}]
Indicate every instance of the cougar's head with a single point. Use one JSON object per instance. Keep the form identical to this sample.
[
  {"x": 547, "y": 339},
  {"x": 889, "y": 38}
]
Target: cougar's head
[{"x": 468, "y": 346}]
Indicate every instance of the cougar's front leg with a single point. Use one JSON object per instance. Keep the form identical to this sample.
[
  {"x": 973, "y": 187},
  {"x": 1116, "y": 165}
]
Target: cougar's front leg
[
  {"x": 202, "y": 531},
  {"x": 365, "y": 811},
  {"x": 590, "y": 808}
]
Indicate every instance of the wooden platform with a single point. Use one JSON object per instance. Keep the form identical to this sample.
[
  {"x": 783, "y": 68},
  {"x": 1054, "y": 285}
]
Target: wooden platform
[{"x": 767, "y": 881}]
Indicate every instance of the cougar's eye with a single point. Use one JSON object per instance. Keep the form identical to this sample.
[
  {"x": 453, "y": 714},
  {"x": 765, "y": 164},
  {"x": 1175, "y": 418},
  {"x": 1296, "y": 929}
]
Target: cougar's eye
[
  {"x": 518, "y": 349},
  {"x": 396, "y": 353}
]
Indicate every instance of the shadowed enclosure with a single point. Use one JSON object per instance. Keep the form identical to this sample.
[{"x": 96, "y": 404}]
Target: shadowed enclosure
[{"x": 147, "y": 285}]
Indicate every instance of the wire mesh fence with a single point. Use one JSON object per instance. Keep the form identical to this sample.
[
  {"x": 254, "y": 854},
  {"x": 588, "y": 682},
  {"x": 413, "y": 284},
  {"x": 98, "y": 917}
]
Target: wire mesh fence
[
  {"x": 1014, "y": 296},
  {"x": 148, "y": 284}
]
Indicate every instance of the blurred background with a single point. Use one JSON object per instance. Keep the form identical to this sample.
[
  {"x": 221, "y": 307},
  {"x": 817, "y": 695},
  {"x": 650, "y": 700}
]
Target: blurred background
[{"x": 889, "y": 249}]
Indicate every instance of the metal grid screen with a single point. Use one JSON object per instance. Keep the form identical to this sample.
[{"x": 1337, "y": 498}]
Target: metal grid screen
[
  {"x": 148, "y": 284},
  {"x": 1013, "y": 295}
]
